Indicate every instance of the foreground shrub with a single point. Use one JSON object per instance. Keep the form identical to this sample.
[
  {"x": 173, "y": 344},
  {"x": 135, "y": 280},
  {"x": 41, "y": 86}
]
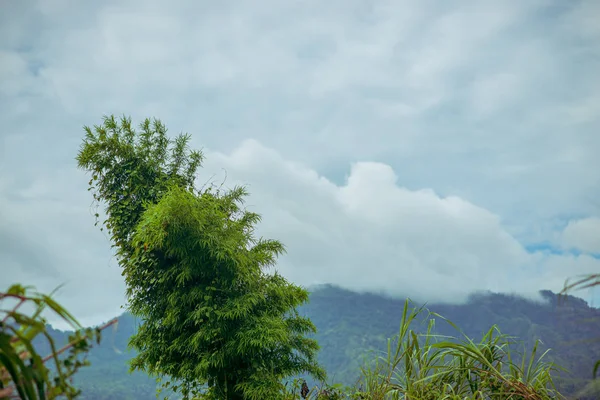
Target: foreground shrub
[
  {"x": 23, "y": 372},
  {"x": 425, "y": 366}
]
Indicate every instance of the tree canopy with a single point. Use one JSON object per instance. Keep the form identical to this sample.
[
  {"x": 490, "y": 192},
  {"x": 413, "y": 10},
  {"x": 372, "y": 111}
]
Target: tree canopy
[{"x": 214, "y": 320}]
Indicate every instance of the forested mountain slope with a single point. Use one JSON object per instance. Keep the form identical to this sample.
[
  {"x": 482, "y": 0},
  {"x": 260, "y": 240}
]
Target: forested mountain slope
[{"x": 350, "y": 324}]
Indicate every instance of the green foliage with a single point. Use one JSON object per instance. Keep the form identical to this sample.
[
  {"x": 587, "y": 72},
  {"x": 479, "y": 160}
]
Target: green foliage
[
  {"x": 213, "y": 320},
  {"x": 132, "y": 169},
  {"x": 352, "y": 326},
  {"x": 424, "y": 366},
  {"x": 22, "y": 368},
  {"x": 217, "y": 313}
]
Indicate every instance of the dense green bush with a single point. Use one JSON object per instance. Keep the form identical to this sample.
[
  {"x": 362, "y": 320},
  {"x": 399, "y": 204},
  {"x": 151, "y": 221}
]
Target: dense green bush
[{"x": 214, "y": 322}]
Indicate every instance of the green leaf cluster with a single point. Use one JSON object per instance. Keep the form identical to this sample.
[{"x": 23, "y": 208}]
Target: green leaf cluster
[{"x": 22, "y": 369}]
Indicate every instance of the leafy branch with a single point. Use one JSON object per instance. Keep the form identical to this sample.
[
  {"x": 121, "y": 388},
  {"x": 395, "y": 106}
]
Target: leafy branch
[{"x": 23, "y": 373}]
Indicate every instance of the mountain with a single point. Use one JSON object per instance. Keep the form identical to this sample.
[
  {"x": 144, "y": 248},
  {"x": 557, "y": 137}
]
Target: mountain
[
  {"x": 107, "y": 378},
  {"x": 351, "y": 324}
]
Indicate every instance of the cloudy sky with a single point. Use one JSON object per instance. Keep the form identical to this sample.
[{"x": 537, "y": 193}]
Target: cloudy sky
[{"x": 418, "y": 148}]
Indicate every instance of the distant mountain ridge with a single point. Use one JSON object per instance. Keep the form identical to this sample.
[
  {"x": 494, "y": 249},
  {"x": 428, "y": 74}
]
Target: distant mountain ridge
[{"x": 350, "y": 324}]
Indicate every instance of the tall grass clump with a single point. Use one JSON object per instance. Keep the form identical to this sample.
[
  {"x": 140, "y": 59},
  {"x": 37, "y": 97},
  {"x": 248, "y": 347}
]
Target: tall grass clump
[{"x": 427, "y": 366}]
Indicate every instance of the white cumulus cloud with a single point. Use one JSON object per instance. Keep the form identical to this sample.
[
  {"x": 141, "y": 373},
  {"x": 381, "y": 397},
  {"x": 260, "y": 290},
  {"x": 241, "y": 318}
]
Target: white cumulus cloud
[
  {"x": 583, "y": 235},
  {"x": 373, "y": 234},
  {"x": 424, "y": 148}
]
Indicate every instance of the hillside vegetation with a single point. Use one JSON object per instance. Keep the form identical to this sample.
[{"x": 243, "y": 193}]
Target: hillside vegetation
[{"x": 351, "y": 325}]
